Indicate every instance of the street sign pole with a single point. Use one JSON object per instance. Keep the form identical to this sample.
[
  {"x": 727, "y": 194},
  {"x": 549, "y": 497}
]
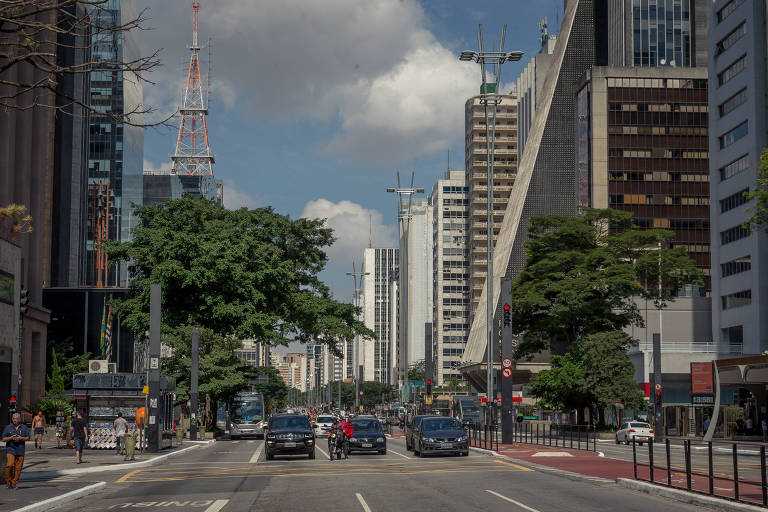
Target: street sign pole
[
  {"x": 658, "y": 409},
  {"x": 193, "y": 385},
  {"x": 153, "y": 416},
  {"x": 508, "y": 344}
]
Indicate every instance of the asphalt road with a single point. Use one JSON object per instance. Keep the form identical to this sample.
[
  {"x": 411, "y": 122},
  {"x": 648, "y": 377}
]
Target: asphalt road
[{"x": 232, "y": 476}]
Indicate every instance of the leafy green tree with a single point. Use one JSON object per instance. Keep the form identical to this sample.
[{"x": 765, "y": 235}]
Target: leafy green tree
[
  {"x": 582, "y": 273},
  {"x": 372, "y": 392},
  {"x": 55, "y": 380},
  {"x": 244, "y": 273},
  {"x": 417, "y": 370},
  {"x": 594, "y": 373},
  {"x": 760, "y": 192}
]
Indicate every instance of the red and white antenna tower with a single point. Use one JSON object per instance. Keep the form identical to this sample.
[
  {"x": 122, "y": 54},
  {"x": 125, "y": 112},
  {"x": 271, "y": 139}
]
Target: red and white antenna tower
[{"x": 193, "y": 155}]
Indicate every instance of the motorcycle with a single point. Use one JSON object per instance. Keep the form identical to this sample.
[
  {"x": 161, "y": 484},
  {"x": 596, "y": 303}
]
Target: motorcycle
[{"x": 337, "y": 446}]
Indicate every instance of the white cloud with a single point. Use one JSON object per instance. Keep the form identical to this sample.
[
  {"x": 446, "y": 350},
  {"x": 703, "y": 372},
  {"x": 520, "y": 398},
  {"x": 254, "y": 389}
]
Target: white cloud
[
  {"x": 350, "y": 223},
  {"x": 163, "y": 166},
  {"x": 235, "y": 197},
  {"x": 373, "y": 66}
]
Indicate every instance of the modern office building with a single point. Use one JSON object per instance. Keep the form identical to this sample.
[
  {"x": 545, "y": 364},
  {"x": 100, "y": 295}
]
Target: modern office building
[
  {"x": 378, "y": 356},
  {"x": 643, "y": 148},
  {"x": 737, "y": 137},
  {"x": 161, "y": 186},
  {"x": 504, "y": 172},
  {"x": 115, "y": 161},
  {"x": 528, "y": 84},
  {"x": 450, "y": 271},
  {"x": 254, "y": 353}
]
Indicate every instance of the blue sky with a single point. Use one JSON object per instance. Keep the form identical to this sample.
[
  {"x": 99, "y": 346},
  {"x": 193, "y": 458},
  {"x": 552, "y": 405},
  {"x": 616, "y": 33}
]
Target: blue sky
[{"x": 316, "y": 104}]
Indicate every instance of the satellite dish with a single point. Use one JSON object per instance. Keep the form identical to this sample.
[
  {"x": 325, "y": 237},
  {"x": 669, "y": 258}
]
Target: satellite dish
[{"x": 663, "y": 62}]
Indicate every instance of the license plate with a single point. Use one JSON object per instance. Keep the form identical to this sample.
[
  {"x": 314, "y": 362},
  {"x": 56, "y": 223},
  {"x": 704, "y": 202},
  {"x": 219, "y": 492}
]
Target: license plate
[
  {"x": 290, "y": 444},
  {"x": 367, "y": 445},
  {"x": 446, "y": 445}
]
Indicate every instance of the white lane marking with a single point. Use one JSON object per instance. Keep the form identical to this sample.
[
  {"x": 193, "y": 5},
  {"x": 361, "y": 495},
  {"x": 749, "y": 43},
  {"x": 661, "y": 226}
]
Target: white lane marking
[
  {"x": 366, "y": 508},
  {"x": 322, "y": 451},
  {"x": 235, "y": 442},
  {"x": 251, "y": 441},
  {"x": 526, "y": 507},
  {"x": 256, "y": 454},
  {"x": 600, "y": 454},
  {"x": 217, "y": 505},
  {"x": 400, "y": 454}
]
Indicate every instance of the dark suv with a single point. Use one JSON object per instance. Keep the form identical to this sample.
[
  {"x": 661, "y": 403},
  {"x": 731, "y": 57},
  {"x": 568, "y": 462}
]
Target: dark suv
[{"x": 289, "y": 434}]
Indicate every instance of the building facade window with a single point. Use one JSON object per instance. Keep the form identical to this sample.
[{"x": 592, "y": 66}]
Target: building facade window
[
  {"x": 731, "y": 38},
  {"x": 736, "y": 300},
  {"x": 736, "y": 266},
  {"x": 733, "y": 234},
  {"x": 733, "y": 102},
  {"x": 728, "y": 9},
  {"x": 734, "y": 200},
  {"x": 731, "y": 71},
  {"x": 733, "y": 135},
  {"x": 739, "y": 165}
]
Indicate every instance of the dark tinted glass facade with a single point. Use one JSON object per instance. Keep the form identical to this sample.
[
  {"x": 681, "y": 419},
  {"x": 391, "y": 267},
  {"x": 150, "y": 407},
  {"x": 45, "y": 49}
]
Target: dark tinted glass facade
[
  {"x": 658, "y": 165},
  {"x": 661, "y": 32}
]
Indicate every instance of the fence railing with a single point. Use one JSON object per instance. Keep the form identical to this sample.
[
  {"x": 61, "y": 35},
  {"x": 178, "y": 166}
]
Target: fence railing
[
  {"x": 724, "y": 479},
  {"x": 576, "y": 437},
  {"x": 483, "y": 436}
]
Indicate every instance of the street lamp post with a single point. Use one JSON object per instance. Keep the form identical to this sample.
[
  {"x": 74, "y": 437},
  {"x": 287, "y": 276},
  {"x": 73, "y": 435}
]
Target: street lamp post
[
  {"x": 489, "y": 94},
  {"x": 355, "y": 348}
]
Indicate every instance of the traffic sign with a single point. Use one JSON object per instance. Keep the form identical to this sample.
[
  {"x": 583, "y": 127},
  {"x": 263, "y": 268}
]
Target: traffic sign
[
  {"x": 507, "y": 362},
  {"x": 658, "y": 387},
  {"x": 506, "y": 372},
  {"x": 428, "y": 399}
]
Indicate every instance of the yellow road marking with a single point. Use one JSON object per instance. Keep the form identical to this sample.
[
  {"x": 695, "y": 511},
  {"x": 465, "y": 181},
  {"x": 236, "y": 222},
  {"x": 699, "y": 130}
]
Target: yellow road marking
[
  {"x": 126, "y": 476},
  {"x": 521, "y": 468}
]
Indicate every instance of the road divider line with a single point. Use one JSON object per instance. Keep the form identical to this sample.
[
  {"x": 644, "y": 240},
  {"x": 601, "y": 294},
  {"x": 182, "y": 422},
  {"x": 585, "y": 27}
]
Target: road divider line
[
  {"x": 366, "y": 508},
  {"x": 256, "y": 454},
  {"x": 323, "y": 452},
  {"x": 526, "y": 507},
  {"x": 127, "y": 476},
  {"x": 523, "y": 468},
  {"x": 216, "y": 506},
  {"x": 400, "y": 454}
]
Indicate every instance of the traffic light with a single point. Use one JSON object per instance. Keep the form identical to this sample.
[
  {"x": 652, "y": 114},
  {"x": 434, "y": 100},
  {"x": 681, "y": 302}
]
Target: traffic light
[
  {"x": 507, "y": 315},
  {"x": 12, "y": 403},
  {"x": 23, "y": 300},
  {"x": 429, "y": 387}
]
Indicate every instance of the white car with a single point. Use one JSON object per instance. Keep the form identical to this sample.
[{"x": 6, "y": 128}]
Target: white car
[
  {"x": 323, "y": 424},
  {"x": 637, "y": 430}
]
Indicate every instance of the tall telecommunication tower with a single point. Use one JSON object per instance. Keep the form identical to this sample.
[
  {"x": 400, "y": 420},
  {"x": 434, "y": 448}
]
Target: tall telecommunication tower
[{"x": 193, "y": 155}]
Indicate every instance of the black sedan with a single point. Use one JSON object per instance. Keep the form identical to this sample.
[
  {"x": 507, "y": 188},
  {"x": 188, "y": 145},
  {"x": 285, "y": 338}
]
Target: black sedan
[
  {"x": 440, "y": 435},
  {"x": 367, "y": 435},
  {"x": 289, "y": 434}
]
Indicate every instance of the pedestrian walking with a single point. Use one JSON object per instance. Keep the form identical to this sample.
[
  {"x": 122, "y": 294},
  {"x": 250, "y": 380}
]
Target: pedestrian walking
[
  {"x": 764, "y": 425},
  {"x": 14, "y": 435},
  {"x": 121, "y": 428},
  {"x": 80, "y": 436},
  {"x": 38, "y": 427},
  {"x": 706, "y": 424}
]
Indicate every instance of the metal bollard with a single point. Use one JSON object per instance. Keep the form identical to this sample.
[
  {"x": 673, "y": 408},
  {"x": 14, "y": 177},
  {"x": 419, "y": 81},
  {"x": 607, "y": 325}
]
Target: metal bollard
[
  {"x": 650, "y": 457},
  {"x": 634, "y": 457},
  {"x": 762, "y": 475},
  {"x": 687, "y": 449},
  {"x": 735, "y": 473},
  {"x": 130, "y": 448},
  {"x": 711, "y": 471},
  {"x": 669, "y": 465}
]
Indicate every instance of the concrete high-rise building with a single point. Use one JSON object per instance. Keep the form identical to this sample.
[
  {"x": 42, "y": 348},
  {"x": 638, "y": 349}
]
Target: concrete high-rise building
[
  {"x": 450, "y": 271},
  {"x": 504, "y": 172},
  {"x": 116, "y": 159},
  {"x": 255, "y": 353},
  {"x": 415, "y": 277},
  {"x": 643, "y": 148},
  {"x": 381, "y": 266},
  {"x": 528, "y": 85},
  {"x": 738, "y": 79}
]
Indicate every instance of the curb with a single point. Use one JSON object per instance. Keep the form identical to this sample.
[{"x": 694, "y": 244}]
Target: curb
[
  {"x": 45, "y": 475},
  {"x": 687, "y": 497},
  {"x": 57, "y": 501}
]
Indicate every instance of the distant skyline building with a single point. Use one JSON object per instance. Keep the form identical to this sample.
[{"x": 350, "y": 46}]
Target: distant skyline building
[
  {"x": 254, "y": 353},
  {"x": 737, "y": 137},
  {"x": 450, "y": 271},
  {"x": 379, "y": 355},
  {"x": 115, "y": 161},
  {"x": 475, "y": 165}
]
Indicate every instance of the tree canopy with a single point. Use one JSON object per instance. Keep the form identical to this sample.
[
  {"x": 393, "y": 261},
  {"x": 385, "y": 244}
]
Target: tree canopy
[
  {"x": 760, "y": 192},
  {"x": 248, "y": 274},
  {"x": 582, "y": 274},
  {"x": 417, "y": 370}
]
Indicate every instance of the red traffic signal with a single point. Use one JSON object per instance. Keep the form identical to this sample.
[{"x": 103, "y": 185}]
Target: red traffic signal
[
  {"x": 506, "y": 307},
  {"x": 429, "y": 382},
  {"x": 12, "y": 400}
]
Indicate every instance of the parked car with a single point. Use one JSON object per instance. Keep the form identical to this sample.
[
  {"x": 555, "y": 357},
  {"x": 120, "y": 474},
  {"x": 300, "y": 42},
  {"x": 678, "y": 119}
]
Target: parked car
[
  {"x": 440, "y": 435},
  {"x": 637, "y": 430},
  {"x": 289, "y": 434}
]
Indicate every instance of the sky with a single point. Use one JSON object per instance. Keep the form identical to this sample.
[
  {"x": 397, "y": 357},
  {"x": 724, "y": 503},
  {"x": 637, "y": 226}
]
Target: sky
[{"x": 315, "y": 105}]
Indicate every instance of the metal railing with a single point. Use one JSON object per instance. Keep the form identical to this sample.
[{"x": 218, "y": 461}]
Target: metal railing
[
  {"x": 576, "y": 437},
  {"x": 724, "y": 480},
  {"x": 483, "y": 436}
]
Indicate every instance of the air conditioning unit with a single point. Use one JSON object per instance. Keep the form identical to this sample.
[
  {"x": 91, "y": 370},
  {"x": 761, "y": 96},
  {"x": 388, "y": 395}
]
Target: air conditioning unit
[
  {"x": 112, "y": 367},
  {"x": 98, "y": 366}
]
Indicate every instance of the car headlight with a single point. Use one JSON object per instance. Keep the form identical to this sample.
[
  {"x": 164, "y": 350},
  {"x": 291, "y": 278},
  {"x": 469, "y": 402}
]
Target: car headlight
[
  {"x": 379, "y": 439},
  {"x": 429, "y": 439},
  {"x": 463, "y": 439},
  {"x": 271, "y": 436},
  {"x": 353, "y": 439}
]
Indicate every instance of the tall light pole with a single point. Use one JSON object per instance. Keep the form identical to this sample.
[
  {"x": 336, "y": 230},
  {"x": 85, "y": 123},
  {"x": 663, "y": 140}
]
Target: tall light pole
[
  {"x": 404, "y": 219},
  {"x": 489, "y": 94},
  {"x": 355, "y": 349}
]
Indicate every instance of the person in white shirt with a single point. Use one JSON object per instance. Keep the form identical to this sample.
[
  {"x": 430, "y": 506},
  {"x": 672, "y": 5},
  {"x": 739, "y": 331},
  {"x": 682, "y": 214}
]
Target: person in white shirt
[{"x": 121, "y": 428}]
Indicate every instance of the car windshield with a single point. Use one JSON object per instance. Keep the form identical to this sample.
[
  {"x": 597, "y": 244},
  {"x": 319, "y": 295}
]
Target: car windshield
[
  {"x": 640, "y": 425},
  {"x": 366, "y": 426},
  {"x": 289, "y": 422},
  {"x": 441, "y": 424},
  {"x": 325, "y": 419}
]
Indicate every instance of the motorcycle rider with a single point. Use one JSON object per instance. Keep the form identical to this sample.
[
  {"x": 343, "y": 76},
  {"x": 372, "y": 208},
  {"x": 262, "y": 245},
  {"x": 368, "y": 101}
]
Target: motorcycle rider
[{"x": 341, "y": 431}]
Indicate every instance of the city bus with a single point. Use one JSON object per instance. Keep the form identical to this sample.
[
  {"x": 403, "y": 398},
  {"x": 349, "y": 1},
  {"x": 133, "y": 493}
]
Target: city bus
[
  {"x": 468, "y": 408},
  {"x": 246, "y": 415}
]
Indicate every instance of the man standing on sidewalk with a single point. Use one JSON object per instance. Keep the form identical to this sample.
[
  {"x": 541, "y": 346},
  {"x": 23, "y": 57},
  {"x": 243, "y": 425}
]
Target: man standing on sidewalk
[
  {"x": 38, "y": 427},
  {"x": 120, "y": 426},
  {"x": 80, "y": 436},
  {"x": 14, "y": 435}
]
